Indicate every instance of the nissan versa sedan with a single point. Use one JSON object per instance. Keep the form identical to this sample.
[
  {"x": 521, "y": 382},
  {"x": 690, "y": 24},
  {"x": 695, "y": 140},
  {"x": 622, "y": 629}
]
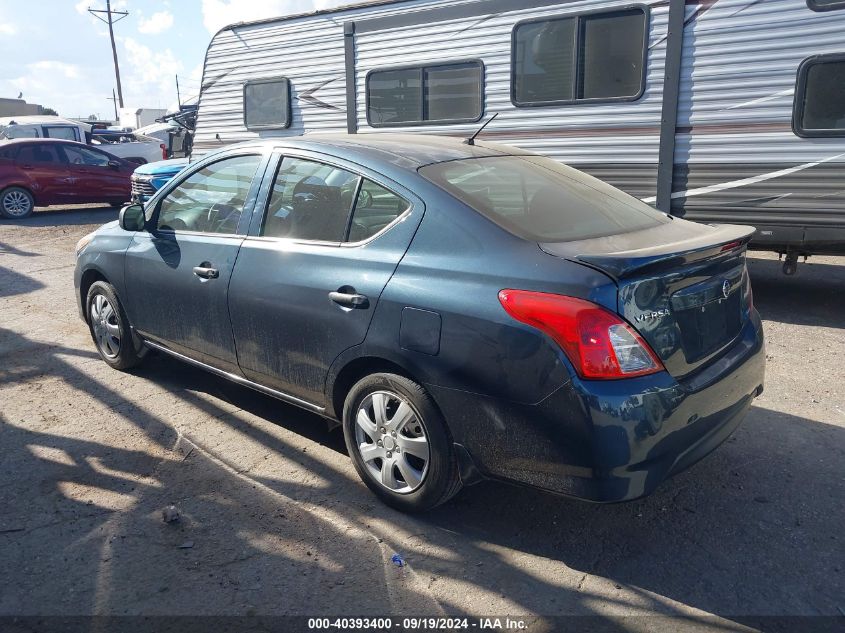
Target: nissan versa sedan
[{"x": 464, "y": 311}]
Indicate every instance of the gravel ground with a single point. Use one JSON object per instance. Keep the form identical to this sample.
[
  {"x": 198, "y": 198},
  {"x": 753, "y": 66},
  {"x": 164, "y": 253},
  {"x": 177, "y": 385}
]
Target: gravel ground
[{"x": 275, "y": 521}]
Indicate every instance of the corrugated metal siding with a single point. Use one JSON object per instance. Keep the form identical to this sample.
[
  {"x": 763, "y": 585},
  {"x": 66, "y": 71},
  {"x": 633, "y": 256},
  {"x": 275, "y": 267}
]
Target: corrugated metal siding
[
  {"x": 623, "y": 136},
  {"x": 307, "y": 50},
  {"x": 616, "y": 141},
  {"x": 738, "y": 75}
]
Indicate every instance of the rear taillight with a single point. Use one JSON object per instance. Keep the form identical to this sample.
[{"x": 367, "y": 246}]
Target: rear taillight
[
  {"x": 163, "y": 151},
  {"x": 597, "y": 342}
]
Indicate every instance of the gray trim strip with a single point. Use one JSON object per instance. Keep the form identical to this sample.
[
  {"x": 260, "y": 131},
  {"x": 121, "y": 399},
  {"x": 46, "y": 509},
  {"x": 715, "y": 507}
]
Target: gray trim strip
[
  {"x": 237, "y": 379},
  {"x": 451, "y": 12},
  {"x": 669, "y": 114},
  {"x": 349, "y": 60}
]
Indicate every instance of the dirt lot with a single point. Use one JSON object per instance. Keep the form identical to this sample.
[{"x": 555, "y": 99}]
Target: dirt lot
[{"x": 275, "y": 521}]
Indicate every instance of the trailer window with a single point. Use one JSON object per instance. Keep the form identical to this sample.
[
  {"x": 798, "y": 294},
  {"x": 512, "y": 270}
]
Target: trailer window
[
  {"x": 819, "y": 107},
  {"x": 442, "y": 93},
  {"x": 592, "y": 56},
  {"x": 826, "y": 5},
  {"x": 267, "y": 104}
]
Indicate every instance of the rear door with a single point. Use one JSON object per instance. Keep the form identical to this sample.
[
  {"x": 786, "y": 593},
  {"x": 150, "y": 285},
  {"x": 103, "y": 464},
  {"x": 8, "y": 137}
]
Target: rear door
[
  {"x": 324, "y": 241},
  {"x": 47, "y": 171},
  {"x": 178, "y": 272},
  {"x": 93, "y": 179}
]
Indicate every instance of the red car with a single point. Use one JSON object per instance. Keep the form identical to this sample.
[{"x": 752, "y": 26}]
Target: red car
[{"x": 43, "y": 172}]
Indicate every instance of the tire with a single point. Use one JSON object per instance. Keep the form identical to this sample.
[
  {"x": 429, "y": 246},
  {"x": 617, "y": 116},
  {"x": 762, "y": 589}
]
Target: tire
[
  {"x": 16, "y": 203},
  {"x": 413, "y": 480},
  {"x": 110, "y": 329}
]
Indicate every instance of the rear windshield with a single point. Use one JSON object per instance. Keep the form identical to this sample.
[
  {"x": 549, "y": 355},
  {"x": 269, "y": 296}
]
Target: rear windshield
[{"x": 538, "y": 199}]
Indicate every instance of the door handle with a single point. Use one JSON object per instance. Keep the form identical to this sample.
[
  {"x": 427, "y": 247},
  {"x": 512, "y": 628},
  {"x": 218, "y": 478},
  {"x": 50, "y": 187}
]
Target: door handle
[
  {"x": 27, "y": 167},
  {"x": 205, "y": 271},
  {"x": 349, "y": 299}
]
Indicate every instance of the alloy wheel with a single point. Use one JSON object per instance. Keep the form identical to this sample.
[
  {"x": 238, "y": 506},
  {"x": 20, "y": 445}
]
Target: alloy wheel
[
  {"x": 105, "y": 325},
  {"x": 392, "y": 442},
  {"x": 16, "y": 204}
]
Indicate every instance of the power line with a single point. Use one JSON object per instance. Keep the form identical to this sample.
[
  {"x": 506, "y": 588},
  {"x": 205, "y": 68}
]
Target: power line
[{"x": 110, "y": 21}]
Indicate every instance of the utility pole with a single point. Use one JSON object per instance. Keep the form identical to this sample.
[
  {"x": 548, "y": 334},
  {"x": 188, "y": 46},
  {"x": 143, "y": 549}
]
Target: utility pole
[
  {"x": 113, "y": 98},
  {"x": 178, "y": 98},
  {"x": 110, "y": 21}
]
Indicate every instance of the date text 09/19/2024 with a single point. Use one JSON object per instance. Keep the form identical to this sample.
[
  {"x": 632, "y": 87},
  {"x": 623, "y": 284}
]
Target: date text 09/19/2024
[{"x": 417, "y": 624}]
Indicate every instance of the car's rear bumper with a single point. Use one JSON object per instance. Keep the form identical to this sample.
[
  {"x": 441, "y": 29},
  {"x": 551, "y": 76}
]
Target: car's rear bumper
[{"x": 610, "y": 441}]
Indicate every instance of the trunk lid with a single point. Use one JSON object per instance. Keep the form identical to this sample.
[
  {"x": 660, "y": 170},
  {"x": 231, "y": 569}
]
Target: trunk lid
[{"x": 683, "y": 286}]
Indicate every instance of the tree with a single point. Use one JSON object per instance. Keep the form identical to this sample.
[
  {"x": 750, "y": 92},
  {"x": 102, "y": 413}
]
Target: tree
[{"x": 50, "y": 111}]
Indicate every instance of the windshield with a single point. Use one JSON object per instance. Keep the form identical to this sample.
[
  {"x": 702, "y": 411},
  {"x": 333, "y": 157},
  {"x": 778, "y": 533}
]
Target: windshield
[{"x": 538, "y": 199}]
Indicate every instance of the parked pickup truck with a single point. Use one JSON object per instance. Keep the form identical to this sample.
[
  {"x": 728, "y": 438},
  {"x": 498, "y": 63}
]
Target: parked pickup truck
[{"x": 127, "y": 145}]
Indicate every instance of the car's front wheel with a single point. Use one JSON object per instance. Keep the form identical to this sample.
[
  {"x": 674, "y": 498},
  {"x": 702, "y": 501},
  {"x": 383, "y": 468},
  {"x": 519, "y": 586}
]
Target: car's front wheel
[
  {"x": 110, "y": 328},
  {"x": 399, "y": 443},
  {"x": 16, "y": 203}
]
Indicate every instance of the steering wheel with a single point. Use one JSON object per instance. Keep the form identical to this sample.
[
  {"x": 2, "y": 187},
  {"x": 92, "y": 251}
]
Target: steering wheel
[
  {"x": 365, "y": 198},
  {"x": 213, "y": 218}
]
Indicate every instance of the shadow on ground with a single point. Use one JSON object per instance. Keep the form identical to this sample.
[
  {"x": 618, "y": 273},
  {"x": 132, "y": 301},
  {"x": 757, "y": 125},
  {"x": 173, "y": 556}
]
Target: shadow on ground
[
  {"x": 66, "y": 216},
  {"x": 754, "y": 529},
  {"x": 815, "y": 296}
]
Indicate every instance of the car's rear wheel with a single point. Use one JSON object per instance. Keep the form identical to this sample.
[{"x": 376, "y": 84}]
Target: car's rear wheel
[
  {"x": 110, "y": 328},
  {"x": 399, "y": 443},
  {"x": 16, "y": 203}
]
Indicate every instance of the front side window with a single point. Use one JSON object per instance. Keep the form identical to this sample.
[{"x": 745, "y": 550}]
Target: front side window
[
  {"x": 439, "y": 93},
  {"x": 570, "y": 59},
  {"x": 84, "y": 156},
  {"x": 41, "y": 153},
  {"x": 19, "y": 131},
  {"x": 538, "y": 199},
  {"x": 819, "y": 107},
  {"x": 210, "y": 200},
  {"x": 267, "y": 104},
  {"x": 310, "y": 201},
  {"x": 61, "y": 131}
]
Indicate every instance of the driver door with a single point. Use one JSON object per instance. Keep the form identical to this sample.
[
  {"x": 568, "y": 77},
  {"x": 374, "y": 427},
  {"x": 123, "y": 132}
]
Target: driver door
[{"x": 177, "y": 274}]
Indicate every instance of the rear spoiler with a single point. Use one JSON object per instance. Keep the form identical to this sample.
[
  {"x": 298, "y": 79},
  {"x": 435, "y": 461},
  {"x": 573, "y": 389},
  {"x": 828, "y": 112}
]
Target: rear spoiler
[{"x": 652, "y": 250}]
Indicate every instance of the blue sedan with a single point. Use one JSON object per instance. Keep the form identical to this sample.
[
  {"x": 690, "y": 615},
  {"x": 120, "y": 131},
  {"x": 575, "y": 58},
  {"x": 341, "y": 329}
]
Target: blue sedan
[{"x": 463, "y": 311}]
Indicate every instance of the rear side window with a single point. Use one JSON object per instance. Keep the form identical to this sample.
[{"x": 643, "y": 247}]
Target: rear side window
[
  {"x": 310, "y": 201},
  {"x": 267, "y": 104},
  {"x": 375, "y": 209},
  {"x": 41, "y": 153},
  {"x": 442, "y": 93},
  {"x": 61, "y": 131},
  {"x": 819, "y": 108},
  {"x": 541, "y": 200},
  {"x": 579, "y": 57},
  {"x": 210, "y": 200},
  {"x": 84, "y": 156}
]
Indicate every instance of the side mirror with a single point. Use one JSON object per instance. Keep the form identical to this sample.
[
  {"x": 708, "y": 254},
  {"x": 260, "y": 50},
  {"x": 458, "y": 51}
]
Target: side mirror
[
  {"x": 132, "y": 218},
  {"x": 114, "y": 164}
]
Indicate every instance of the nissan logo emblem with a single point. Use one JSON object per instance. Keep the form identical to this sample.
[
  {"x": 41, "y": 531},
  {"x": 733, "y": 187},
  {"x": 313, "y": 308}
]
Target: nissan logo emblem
[{"x": 726, "y": 288}]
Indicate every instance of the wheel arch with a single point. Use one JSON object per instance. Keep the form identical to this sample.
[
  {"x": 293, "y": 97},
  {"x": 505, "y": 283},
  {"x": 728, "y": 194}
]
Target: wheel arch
[
  {"x": 89, "y": 277},
  {"x": 26, "y": 187},
  {"x": 354, "y": 370}
]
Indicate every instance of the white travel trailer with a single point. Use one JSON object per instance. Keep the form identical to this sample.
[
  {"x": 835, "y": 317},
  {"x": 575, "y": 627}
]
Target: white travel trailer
[{"x": 714, "y": 110}]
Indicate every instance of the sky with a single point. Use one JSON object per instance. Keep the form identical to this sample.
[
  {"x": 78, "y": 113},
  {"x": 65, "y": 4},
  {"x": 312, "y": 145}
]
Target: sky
[{"x": 58, "y": 55}]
